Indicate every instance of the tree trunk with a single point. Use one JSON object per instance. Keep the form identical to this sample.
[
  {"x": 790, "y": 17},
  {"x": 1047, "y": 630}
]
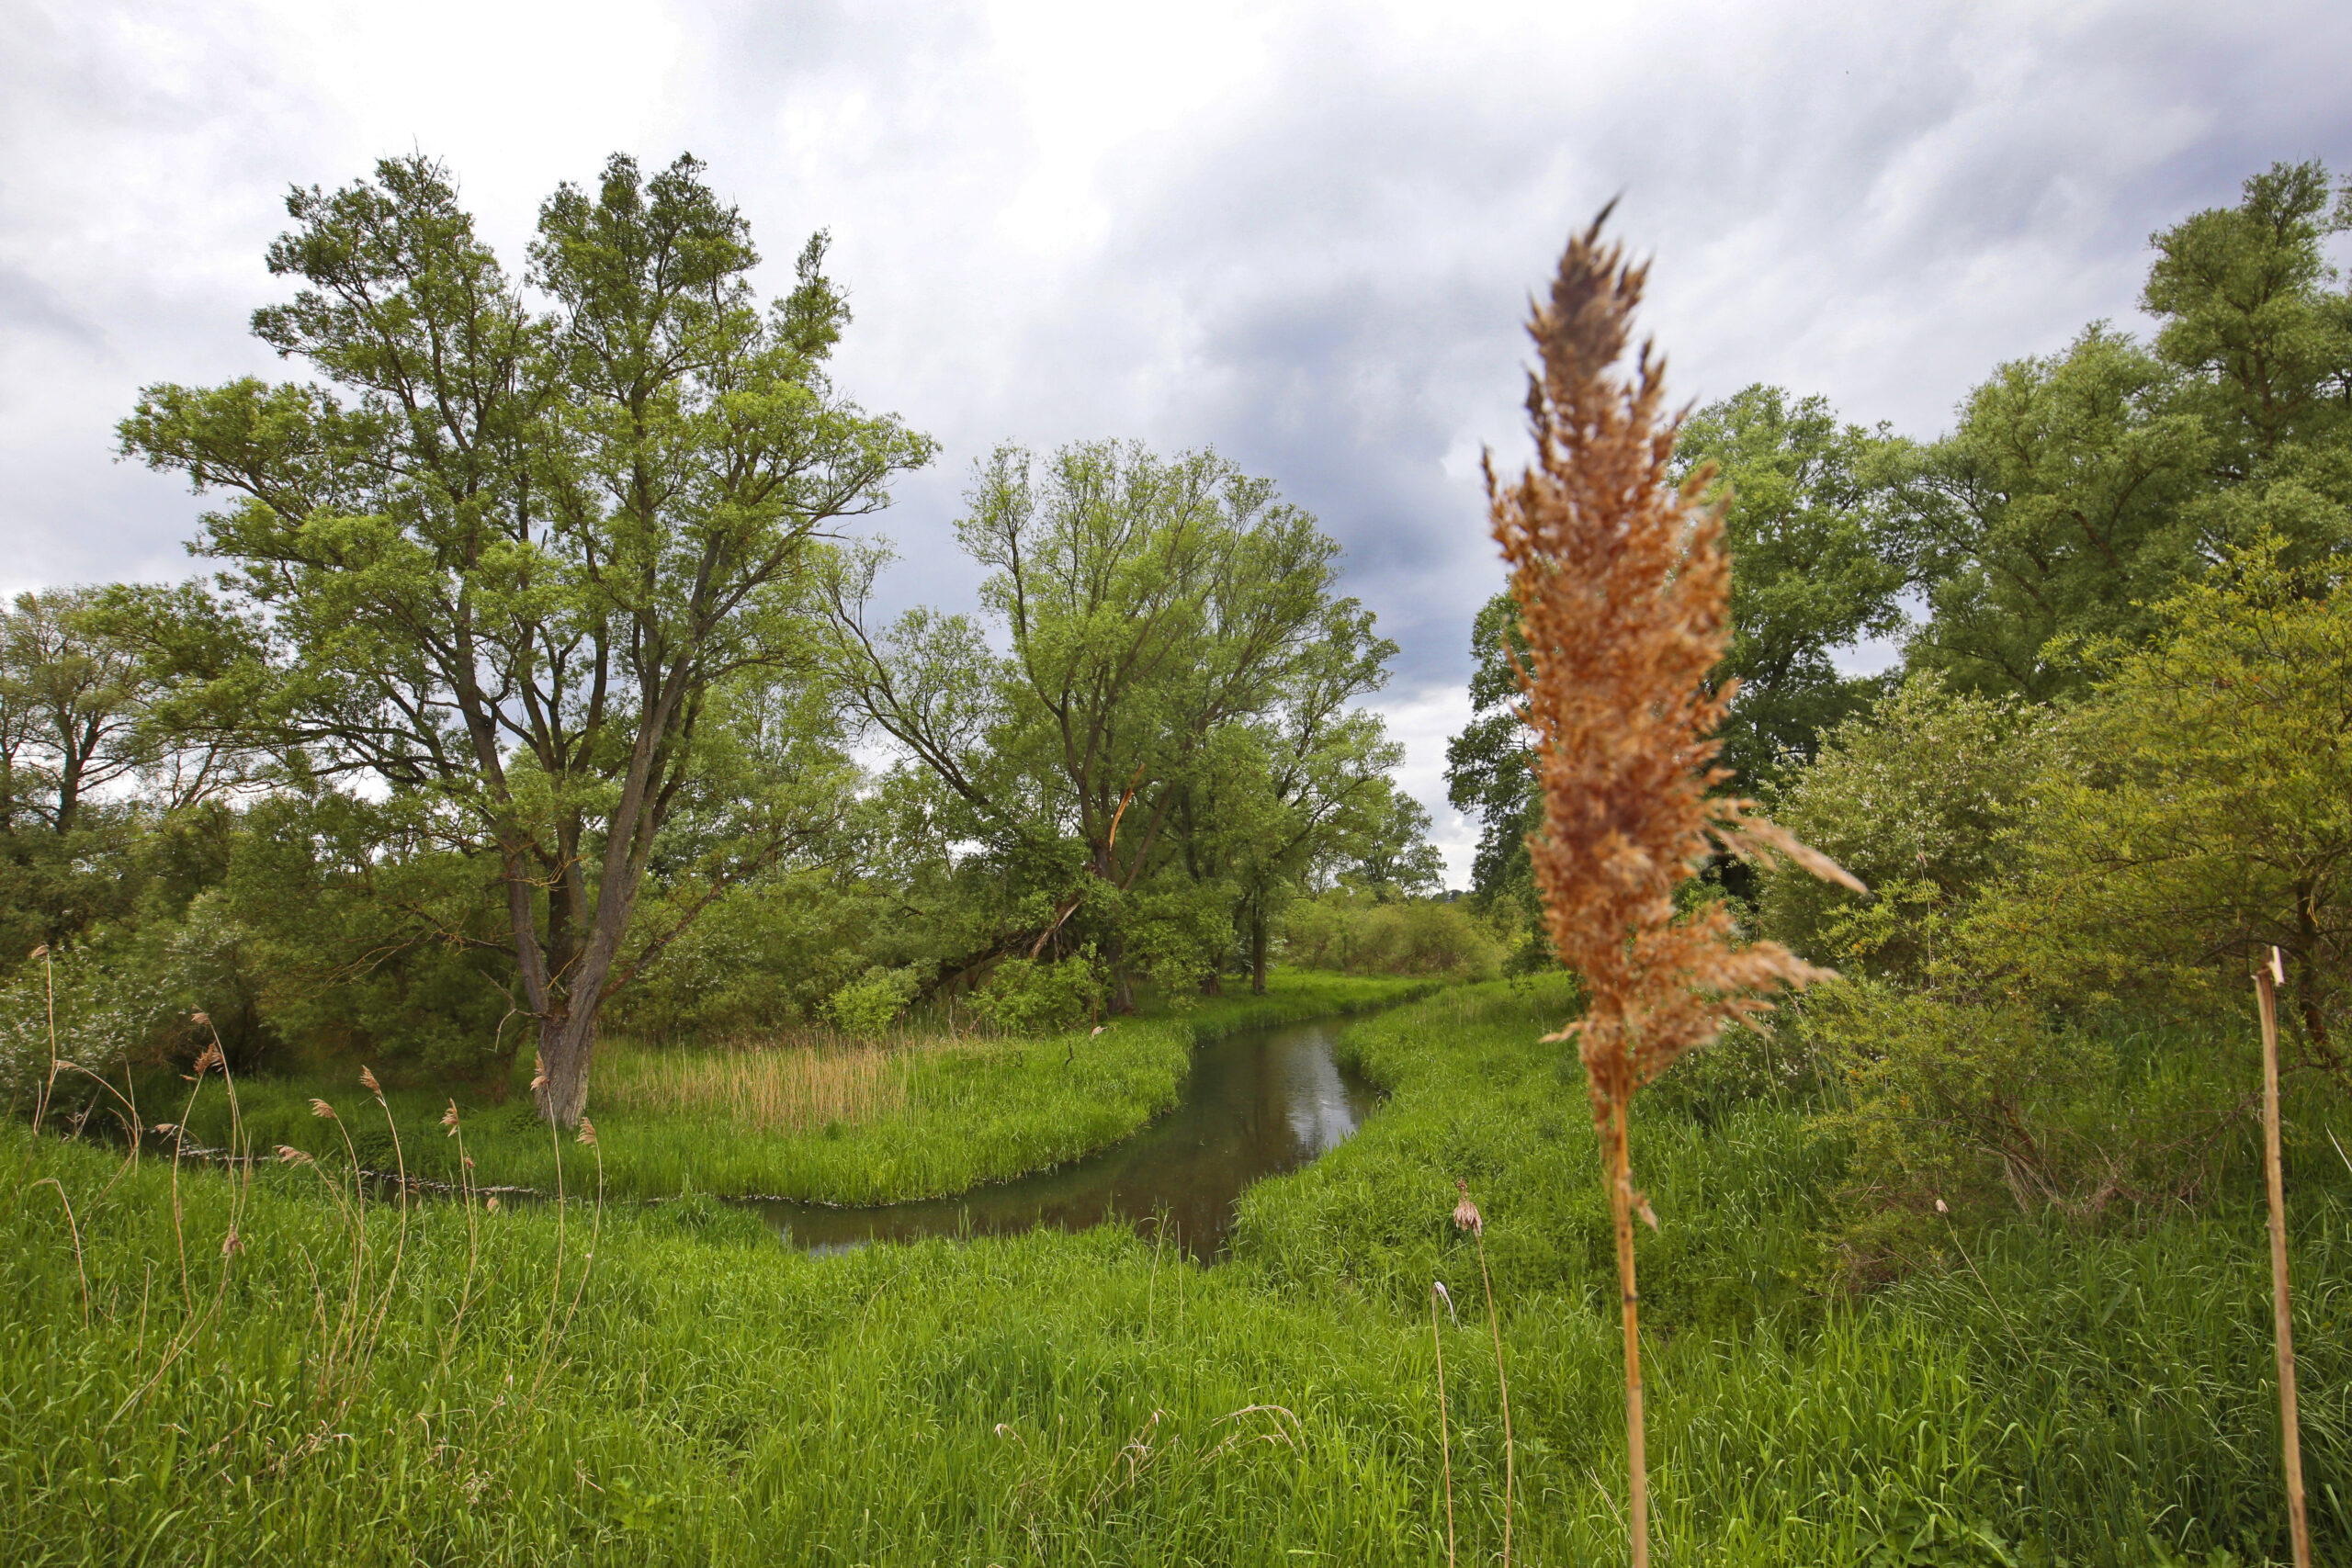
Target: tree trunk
[
  {"x": 2307, "y": 998},
  {"x": 69, "y": 794},
  {"x": 567, "y": 1044},
  {"x": 1257, "y": 947}
]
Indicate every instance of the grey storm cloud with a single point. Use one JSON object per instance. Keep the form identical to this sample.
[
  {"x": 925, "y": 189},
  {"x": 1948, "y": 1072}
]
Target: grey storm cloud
[{"x": 1303, "y": 234}]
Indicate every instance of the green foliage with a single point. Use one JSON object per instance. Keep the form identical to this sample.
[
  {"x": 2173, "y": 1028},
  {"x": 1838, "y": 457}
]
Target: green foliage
[
  {"x": 1489, "y": 766},
  {"x": 2243, "y": 297},
  {"x": 511, "y": 561},
  {"x": 1358, "y": 932},
  {"x": 2080, "y": 489},
  {"x": 1169, "y": 744},
  {"x": 1023, "y": 997},
  {"x": 1914, "y": 799},
  {"x": 2052, "y": 512},
  {"x": 1960, "y": 1108},
  {"x": 1812, "y": 571},
  {"x": 869, "y": 1005},
  {"x": 2206, "y": 813}
]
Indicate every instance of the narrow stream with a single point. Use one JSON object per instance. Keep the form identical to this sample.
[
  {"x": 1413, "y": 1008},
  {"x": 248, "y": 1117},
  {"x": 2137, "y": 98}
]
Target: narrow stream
[{"x": 1258, "y": 1104}]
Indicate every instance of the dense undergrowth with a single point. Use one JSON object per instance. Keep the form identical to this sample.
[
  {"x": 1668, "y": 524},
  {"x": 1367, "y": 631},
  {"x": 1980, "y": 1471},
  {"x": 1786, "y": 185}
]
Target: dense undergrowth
[
  {"x": 2048, "y": 1395},
  {"x": 963, "y": 1112}
]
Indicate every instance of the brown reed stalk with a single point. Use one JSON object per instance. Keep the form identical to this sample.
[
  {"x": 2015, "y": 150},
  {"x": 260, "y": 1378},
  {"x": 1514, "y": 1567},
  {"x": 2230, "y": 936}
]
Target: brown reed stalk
[
  {"x": 1467, "y": 1217},
  {"x": 48, "y": 975},
  {"x": 2268, "y": 975},
  {"x": 1623, "y": 592},
  {"x": 1444, "y": 1442},
  {"x": 586, "y": 1135},
  {"x": 73, "y": 1227},
  {"x": 454, "y": 1124}
]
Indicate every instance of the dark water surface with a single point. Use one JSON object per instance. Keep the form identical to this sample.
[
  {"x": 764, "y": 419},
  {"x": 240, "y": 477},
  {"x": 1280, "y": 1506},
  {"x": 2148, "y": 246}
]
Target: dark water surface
[{"x": 1258, "y": 1104}]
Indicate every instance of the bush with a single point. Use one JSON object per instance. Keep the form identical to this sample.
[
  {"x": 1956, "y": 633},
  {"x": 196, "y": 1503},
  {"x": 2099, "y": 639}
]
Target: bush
[
  {"x": 1968, "y": 1107},
  {"x": 1025, "y": 998},
  {"x": 871, "y": 1002},
  {"x": 108, "y": 1015},
  {"x": 1357, "y": 934},
  {"x": 1913, "y": 798}
]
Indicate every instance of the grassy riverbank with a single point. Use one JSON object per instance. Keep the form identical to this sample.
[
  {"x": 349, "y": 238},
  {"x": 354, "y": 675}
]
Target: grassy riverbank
[
  {"x": 924, "y": 1118},
  {"x": 713, "y": 1397}
]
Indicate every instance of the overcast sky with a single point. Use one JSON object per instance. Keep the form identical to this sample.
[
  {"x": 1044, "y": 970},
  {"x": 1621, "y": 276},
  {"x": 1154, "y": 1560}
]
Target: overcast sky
[{"x": 1301, "y": 234}]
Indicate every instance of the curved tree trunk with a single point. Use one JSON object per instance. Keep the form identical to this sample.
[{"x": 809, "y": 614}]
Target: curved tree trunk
[{"x": 567, "y": 1045}]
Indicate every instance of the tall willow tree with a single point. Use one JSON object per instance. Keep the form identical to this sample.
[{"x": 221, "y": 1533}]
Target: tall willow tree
[
  {"x": 510, "y": 554},
  {"x": 1165, "y": 622}
]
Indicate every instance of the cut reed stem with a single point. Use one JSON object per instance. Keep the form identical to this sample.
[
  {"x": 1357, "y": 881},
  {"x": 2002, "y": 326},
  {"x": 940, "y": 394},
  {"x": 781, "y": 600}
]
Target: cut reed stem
[{"x": 2268, "y": 976}]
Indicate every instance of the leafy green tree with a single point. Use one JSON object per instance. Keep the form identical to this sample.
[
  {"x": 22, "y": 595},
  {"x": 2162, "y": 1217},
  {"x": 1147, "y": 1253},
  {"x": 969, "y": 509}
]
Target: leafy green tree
[
  {"x": 2203, "y": 813},
  {"x": 1491, "y": 767},
  {"x": 2080, "y": 489},
  {"x": 1150, "y": 609},
  {"x": 507, "y": 556},
  {"x": 1289, "y": 799},
  {"x": 1921, "y": 799},
  {"x": 2051, "y": 514},
  {"x": 2249, "y": 316},
  {"x": 1805, "y": 518}
]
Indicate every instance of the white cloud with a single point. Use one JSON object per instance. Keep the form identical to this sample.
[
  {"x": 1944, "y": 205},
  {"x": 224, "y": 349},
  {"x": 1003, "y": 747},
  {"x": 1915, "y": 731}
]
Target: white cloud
[{"x": 1303, "y": 232}]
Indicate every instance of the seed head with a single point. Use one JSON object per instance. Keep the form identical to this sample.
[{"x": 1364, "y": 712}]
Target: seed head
[
  {"x": 210, "y": 1057},
  {"x": 232, "y": 1244},
  {"x": 203, "y": 1018},
  {"x": 538, "y": 1073},
  {"x": 588, "y": 1132},
  {"x": 41, "y": 951},
  {"x": 288, "y": 1155},
  {"x": 449, "y": 1120},
  {"x": 492, "y": 1205},
  {"x": 320, "y": 1108},
  {"x": 1437, "y": 1289},
  {"x": 1466, "y": 1212},
  {"x": 368, "y": 1078}
]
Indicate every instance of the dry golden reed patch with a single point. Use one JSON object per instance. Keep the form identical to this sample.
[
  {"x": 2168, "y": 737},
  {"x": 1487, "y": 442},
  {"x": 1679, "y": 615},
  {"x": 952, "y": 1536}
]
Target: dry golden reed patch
[{"x": 763, "y": 1088}]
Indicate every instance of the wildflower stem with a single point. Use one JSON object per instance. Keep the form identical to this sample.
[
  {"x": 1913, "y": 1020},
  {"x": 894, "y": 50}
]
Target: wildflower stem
[{"x": 1444, "y": 1442}]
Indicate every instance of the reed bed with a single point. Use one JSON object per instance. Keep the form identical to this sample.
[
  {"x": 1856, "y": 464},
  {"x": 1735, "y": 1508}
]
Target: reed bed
[{"x": 761, "y": 1087}]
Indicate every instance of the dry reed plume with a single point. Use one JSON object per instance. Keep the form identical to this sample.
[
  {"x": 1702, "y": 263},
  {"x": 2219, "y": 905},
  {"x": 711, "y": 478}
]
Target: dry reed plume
[
  {"x": 1623, "y": 592},
  {"x": 776, "y": 1091}
]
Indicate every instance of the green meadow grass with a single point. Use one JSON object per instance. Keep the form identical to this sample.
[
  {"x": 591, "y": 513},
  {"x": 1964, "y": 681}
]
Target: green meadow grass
[
  {"x": 973, "y": 1111},
  {"x": 2055, "y": 1397}
]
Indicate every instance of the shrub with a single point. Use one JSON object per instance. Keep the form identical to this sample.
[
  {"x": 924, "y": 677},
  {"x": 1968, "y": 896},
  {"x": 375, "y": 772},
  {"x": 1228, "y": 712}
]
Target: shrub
[
  {"x": 1025, "y": 998},
  {"x": 1913, "y": 798},
  {"x": 1357, "y": 934},
  {"x": 1967, "y": 1107},
  {"x": 871, "y": 1002}
]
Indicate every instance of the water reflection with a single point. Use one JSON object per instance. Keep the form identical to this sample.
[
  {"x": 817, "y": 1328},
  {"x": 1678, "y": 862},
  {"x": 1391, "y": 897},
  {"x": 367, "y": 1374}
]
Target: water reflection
[{"x": 1258, "y": 1104}]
